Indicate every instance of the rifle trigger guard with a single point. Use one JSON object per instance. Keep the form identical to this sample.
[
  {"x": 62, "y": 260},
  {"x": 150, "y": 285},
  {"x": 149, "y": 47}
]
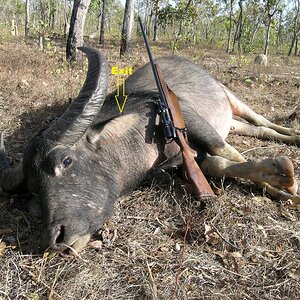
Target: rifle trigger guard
[{"x": 181, "y": 129}]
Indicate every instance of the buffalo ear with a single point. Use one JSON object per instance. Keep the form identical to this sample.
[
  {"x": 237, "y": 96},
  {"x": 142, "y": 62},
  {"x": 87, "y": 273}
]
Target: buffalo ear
[
  {"x": 109, "y": 131},
  {"x": 11, "y": 179}
]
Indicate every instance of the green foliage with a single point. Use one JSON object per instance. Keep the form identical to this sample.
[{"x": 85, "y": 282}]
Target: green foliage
[
  {"x": 204, "y": 23},
  {"x": 114, "y": 16},
  {"x": 167, "y": 16},
  {"x": 240, "y": 61},
  {"x": 9, "y": 9}
]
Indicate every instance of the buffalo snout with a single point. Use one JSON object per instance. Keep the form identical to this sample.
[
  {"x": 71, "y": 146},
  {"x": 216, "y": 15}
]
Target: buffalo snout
[{"x": 65, "y": 239}]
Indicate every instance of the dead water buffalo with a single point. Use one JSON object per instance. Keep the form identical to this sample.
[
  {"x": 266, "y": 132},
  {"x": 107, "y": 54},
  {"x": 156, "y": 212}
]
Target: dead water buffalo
[{"x": 92, "y": 154}]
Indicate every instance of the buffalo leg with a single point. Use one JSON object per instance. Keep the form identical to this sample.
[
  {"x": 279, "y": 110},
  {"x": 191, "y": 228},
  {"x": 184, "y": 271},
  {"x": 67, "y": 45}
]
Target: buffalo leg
[
  {"x": 263, "y": 132},
  {"x": 241, "y": 109},
  {"x": 276, "y": 175},
  {"x": 228, "y": 152}
]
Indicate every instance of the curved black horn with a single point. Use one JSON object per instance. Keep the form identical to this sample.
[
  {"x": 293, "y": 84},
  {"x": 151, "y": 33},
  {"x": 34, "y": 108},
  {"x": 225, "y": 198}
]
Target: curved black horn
[{"x": 73, "y": 123}]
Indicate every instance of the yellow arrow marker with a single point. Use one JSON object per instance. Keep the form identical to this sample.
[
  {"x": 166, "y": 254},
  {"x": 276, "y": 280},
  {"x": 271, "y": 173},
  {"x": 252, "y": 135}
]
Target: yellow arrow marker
[{"x": 121, "y": 96}]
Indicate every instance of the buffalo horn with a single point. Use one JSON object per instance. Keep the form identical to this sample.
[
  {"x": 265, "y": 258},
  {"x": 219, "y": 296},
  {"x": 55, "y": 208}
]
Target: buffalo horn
[{"x": 73, "y": 123}]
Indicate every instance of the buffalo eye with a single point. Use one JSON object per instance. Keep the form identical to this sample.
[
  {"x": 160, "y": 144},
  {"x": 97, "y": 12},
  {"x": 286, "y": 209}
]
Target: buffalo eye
[{"x": 67, "y": 161}]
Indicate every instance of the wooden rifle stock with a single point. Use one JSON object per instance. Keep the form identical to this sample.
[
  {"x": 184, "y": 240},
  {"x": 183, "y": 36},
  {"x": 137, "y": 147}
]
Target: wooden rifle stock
[
  {"x": 192, "y": 171},
  {"x": 175, "y": 128}
]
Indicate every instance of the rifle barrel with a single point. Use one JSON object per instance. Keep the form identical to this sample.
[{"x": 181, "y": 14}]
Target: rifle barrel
[{"x": 159, "y": 87}]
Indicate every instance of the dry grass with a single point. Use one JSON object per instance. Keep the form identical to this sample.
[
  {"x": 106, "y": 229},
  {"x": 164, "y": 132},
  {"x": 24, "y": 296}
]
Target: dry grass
[{"x": 160, "y": 243}]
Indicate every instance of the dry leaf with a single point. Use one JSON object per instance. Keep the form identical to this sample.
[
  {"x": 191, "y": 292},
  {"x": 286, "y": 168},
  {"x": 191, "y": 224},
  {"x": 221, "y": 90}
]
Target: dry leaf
[
  {"x": 293, "y": 203},
  {"x": 261, "y": 200},
  {"x": 285, "y": 213},
  {"x": 295, "y": 274},
  {"x": 96, "y": 244},
  {"x": 164, "y": 249},
  {"x": 269, "y": 254},
  {"x": 211, "y": 237},
  {"x": 24, "y": 81},
  {"x": 235, "y": 254},
  {"x": 228, "y": 254},
  {"x": 2, "y": 248},
  {"x": 177, "y": 247},
  {"x": 231, "y": 259}
]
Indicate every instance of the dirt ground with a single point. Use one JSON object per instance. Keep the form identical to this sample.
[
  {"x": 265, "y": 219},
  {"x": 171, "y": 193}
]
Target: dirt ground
[{"x": 160, "y": 243}]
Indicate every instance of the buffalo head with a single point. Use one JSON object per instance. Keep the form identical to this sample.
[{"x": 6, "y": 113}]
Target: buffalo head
[{"x": 59, "y": 166}]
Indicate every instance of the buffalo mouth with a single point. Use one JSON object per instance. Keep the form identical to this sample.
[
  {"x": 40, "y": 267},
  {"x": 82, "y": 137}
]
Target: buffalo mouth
[{"x": 57, "y": 240}]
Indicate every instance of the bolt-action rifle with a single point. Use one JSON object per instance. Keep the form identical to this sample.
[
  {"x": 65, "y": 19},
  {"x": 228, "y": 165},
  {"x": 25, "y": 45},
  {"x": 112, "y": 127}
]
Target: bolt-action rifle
[{"x": 174, "y": 128}]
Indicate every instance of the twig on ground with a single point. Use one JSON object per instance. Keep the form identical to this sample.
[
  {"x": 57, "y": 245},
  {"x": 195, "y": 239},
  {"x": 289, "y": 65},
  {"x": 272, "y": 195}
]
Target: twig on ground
[
  {"x": 221, "y": 236},
  {"x": 153, "y": 286},
  {"x": 187, "y": 228},
  {"x": 269, "y": 147}
]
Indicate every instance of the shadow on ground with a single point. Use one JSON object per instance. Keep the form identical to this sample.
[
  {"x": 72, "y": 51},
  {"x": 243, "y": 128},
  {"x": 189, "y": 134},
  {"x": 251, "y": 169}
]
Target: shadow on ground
[{"x": 17, "y": 227}]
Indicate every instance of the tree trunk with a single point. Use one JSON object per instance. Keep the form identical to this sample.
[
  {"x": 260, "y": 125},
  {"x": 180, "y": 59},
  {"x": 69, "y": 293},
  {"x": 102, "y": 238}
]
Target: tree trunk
[
  {"x": 230, "y": 27},
  {"x": 146, "y": 17},
  {"x": 180, "y": 27},
  {"x": 292, "y": 45},
  {"x": 148, "y": 24},
  {"x": 99, "y": 17},
  {"x": 238, "y": 31},
  {"x": 52, "y": 12},
  {"x": 43, "y": 11},
  {"x": 27, "y": 16},
  {"x": 75, "y": 38},
  {"x": 127, "y": 26},
  {"x": 155, "y": 8},
  {"x": 14, "y": 28},
  {"x": 270, "y": 14},
  {"x": 255, "y": 29},
  {"x": 139, "y": 13},
  {"x": 279, "y": 30},
  {"x": 241, "y": 29},
  {"x": 296, "y": 28},
  {"x": 267, "y": 39},
  {"x": 66, "y": 23},
  {"x": 102, "y": 28},
  {"x": 155, "y": 36}
]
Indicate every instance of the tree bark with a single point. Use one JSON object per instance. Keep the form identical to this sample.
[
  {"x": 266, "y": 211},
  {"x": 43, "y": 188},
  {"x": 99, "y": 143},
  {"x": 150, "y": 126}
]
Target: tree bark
[
  {"x": 66, "y": 23},
  {"x": 43, "y": 11},
  {"x": 75, "y": 38},
  {"x": 155, "y": 4},
  {"x": 255, "y": 29},
  {"x": 279, "y": 30},
  {"x": 270, "y": 14},
  {"x": 296, "y": 28},
  {"x": 127, "y": 26},
  {"x": 238, "y": 31},
  {"x": 103, "y": 18},
  {"x": 147, "y": 14},
  {"x": 27, "y": 18},
  {"x": 52, "y": 12},
  {"x": 155, "y": 35},
  {"x": 230, "y": 26},
  {"x": 267, "y": 39}
]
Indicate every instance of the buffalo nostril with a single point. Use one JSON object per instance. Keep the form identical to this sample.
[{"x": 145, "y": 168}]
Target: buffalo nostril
[{"x": 60, "y": 234}]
